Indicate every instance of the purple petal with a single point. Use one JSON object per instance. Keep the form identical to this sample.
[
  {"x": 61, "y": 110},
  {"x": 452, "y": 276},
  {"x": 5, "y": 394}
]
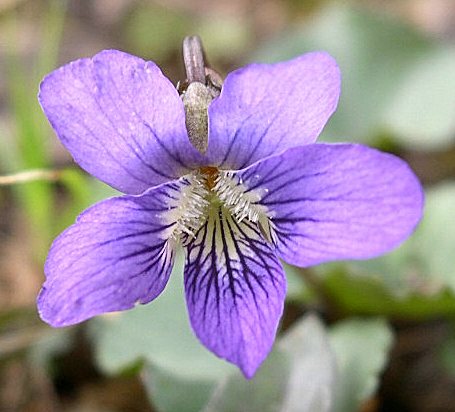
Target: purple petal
[
  {"x": 120, "y": 119},
  {"x": 332, "y": 202},
  {"x": 264, "y": 109},
  {"x": 235, "y": 290},
  {"x": 117, "y": 254}
]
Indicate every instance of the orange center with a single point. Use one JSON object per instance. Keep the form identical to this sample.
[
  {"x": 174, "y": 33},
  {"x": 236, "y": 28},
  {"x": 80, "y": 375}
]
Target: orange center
[{"x": 211, "y": 173}]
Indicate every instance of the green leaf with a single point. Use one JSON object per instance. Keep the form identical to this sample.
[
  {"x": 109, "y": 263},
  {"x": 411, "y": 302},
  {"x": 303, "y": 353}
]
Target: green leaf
[
  {"x": 399, "y": 270},
  {"x": 297, "y": 289},
  {"x": 312, "y": 378},
  {"x": 361, "y": 348},
  {"x": 368, "y": 295},
  {"x": 298, "y": 375},
  {"x": 264, "y": 393},
  {"x": 421, "y": 111},
  {"x": 396, "y": 82},
  {"x": 434, "y": 239},
  {"x": 170, "y": 392}
]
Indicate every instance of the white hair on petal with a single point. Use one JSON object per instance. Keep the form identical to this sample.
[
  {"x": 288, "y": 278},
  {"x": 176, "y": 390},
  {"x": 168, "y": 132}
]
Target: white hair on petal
[{"x": 196, "y": 192}]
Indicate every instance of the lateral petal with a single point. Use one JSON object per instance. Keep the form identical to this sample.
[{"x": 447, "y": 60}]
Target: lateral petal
[
  {"x": 121, "y": 120},
  {"x": 235, "y": 289},
  {"x": 117, "y": 254},
  {"x": 265, "y": 109},
  {"x": 339, "y": 201}
]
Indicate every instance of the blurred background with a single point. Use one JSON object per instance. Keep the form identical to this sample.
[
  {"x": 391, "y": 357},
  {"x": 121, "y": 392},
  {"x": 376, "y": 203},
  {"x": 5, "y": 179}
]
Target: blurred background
[{"x": 377, "y": 335}]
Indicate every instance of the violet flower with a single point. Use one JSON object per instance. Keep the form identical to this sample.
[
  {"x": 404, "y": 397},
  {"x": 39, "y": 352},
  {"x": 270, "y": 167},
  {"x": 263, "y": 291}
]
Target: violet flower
[{"x": 262, "y": 191}]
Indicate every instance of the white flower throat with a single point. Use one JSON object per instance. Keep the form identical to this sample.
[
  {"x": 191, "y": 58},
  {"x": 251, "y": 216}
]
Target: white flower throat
[{"x": 202, "y": 193}]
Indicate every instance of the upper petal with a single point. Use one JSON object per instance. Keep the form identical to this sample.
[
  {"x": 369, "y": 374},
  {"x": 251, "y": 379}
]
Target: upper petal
[
  {"x": 116, "y": 255},
  {"x": 235, "y": 290},
  {"x": 120, "y": 119},
  {"x": 264, "y": 109},
  {"x": 342, "y": 201}
]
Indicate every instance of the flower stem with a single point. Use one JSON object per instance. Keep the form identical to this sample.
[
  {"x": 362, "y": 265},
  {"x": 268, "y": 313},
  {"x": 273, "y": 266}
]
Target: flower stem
[
  {"x": 193, "y": 57},
  {"x": 30, "y": 175}
]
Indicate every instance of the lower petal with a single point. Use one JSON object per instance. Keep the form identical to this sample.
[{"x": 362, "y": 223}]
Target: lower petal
[
  {"x": 235, "y": 289},
  {"x": 117, "y": 254}
]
